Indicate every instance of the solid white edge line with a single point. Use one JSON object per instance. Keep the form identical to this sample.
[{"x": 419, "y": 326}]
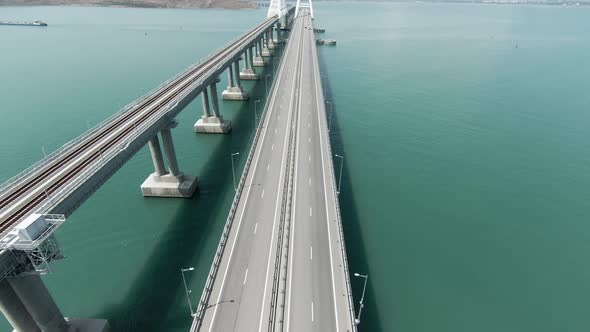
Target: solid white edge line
[
  {"x": 292, "y": 227},
  {"x": 325, "y": 191},
  {"x": 269, "y": 115},
  {"x": 276, "y": 207}
]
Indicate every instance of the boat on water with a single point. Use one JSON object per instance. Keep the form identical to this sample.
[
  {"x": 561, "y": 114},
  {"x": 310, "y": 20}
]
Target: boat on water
[{"x": 34, "y": 23}]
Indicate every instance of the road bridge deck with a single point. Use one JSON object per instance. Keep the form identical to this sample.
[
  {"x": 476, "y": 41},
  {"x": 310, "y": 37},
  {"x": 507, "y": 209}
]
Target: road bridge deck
[{"x": 281, "y": 263}]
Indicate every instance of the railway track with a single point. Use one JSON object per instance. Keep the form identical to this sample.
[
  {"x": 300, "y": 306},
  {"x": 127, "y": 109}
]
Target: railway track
[{"x": 22, "y": 198}]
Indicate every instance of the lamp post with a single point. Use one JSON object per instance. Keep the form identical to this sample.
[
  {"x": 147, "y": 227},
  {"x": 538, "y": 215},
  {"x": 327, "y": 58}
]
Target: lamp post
[
  {"x": 357, "y": 320},
  {"x": 330, "y": 119},
  {"x": 186, "y": 290},
  {"x": 256, "y": 113},
  {"x": 234, "y": 169},
  {"x": 340, "y": 177}
]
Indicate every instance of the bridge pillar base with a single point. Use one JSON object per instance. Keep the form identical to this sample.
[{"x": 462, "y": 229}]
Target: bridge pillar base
[
  {"x": 212, "y": 125},
  {"x": 266, "y": 52},
  {"x": 88, "y": 325},
  {"x": 248, "y": 74},
  {"x": 169, "y": 185},
  {"x": 258, "y": 62},
  {"x": 234, "y": 93}
]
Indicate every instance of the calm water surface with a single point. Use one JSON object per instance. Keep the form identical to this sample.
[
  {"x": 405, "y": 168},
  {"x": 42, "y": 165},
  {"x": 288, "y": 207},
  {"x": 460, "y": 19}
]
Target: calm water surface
[{"x": 466, "y": 186}]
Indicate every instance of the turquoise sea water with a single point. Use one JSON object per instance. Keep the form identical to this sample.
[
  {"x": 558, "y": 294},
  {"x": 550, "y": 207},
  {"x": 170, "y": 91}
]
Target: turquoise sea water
[{"x": 466, "y": 186}]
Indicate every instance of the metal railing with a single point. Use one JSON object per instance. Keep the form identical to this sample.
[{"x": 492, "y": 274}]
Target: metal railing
[{"x": 336, "y": 201}]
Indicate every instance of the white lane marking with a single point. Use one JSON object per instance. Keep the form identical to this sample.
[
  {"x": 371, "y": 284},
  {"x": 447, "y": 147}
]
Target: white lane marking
[
  {"x": 310, "y": 180},
  {"x": 310, "y": 211},
  {"x": 275, "y": 130},
  {"x": 270, "y": 247},
  {"x": 245, "y": 277},
  {"x": 262, "y": 193},
  {"x": 269, "y": 114},
  {"x": 278, "y": 117},
  {"x": 312, "y": 311},
  {"x": 255, "y": 228},
  {"x": 317, "y": 70},
  {"x": 309, "y": 157},
  {"x": 309, "y": 125},
  {"x": 292, "y": 227},
  {"x": 309, "y": 140},
  {"x": 272, "y": 147},
  {"x": 268, "y": 167},
  {"x": 310, "y": 253}
]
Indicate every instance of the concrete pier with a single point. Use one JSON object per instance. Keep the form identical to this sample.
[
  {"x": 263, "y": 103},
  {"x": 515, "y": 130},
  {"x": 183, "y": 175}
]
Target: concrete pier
[
  {"x": 271, "y": 43},
  {"x": 14, "y": 310},
  {"x": 28, "y": 306},
  {"x": 212, "y": 124},
  {"x": 171, "y": 183},
  {"x": 36, "y": 298},
  {"x": 234, "y": 90},
  {"x": 258, "y": 59},
  {"x": 248, "y": 72},
  {"x": 265, "y": 49}
]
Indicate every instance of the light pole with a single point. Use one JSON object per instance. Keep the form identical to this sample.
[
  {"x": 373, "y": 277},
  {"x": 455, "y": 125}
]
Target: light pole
[
  {"x": 234, "y": 169},
  {"x": 330, "y": 119},
  {"x": 357, "y": 320},
  {"x": 256, "y": 113},
  {"x": 340, "y": 177},
  {"x": 186, "y": 290}
]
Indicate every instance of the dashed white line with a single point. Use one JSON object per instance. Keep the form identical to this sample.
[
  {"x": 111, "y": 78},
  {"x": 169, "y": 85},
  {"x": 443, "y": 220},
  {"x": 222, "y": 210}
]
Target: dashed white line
[
  {"x": 310, "y": 253},
  {"x": 312, "y": 311},
  {"x": 255, "y": 228},
  {"x": 268, "y": 167},
  {"x": 246, "y": 276},
  {"x": 309, "y": 139},
  {"x": 272, "y": 147},
  {"x": 262, "y": 193},
  {"x": 310, "y": 180},
  {"x": 310, "y": 211}
]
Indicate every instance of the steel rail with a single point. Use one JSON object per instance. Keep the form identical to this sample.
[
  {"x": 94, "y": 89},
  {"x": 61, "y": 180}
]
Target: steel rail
[
  {"x": 199, "y": 71},
  {"x": 99, "y": 135}
]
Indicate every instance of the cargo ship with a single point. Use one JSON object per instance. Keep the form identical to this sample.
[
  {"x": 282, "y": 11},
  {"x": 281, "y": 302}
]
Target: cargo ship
[{"x": 33, "y": 24}]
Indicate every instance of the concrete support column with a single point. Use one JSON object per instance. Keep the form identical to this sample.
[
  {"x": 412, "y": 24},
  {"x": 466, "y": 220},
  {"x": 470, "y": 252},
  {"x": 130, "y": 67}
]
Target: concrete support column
[
  {"x": 265, "y": 49},
  {"x": 206, "y": 111},
  {"x": 230, "y": 76},
  {"x": 213, "y": 124},
  {"x": 215, "y": 101},
  {"x": 237, "y": 71},
  {"x": 234, "y": 90},
  {"x": 248, "y": 72},
  {"x": 14, "y": 310},
  {"x": 36, "y": 298},
  {"x": 170, "y": 153},
  {"x": 157, "y": 159},
  {"x": 249, "y": 57},
  {"x": 258, "y": 60}
]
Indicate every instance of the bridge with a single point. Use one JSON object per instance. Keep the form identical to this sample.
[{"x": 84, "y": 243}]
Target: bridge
[{"x": 281, "y": 262}]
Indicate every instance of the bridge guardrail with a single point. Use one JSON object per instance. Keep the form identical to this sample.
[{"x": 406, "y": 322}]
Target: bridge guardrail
[{"x": 337, "y": 204}]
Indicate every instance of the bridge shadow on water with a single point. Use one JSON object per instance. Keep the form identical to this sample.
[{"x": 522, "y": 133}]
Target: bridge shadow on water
[
  {"x": 351, "y": 223},
  {"x": 151, "y": 304}
]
